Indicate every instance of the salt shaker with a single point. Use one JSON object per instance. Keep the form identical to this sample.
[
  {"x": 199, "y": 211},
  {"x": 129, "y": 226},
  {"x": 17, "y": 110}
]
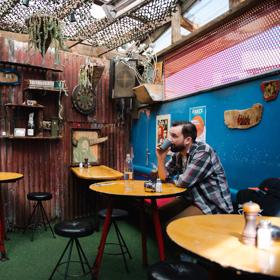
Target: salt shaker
[
  {"x": 249, "y": 233},
  {"x": 158, "y": 185},
  {"x": 264, "y": 234}
]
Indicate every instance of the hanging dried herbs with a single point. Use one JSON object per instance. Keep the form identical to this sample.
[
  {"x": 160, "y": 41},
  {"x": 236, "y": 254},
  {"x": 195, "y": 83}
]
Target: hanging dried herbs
[
  {"x": 44, "y": 30},
  {"x": 90, "y": 74}
]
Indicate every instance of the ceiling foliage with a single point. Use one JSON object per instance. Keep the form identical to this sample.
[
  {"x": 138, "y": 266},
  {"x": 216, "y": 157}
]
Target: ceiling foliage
[{"x": 79, "y": 24}]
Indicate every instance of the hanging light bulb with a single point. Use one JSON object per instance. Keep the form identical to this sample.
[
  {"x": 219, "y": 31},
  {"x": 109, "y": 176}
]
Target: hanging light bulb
[{"x": 25, "y": 3}]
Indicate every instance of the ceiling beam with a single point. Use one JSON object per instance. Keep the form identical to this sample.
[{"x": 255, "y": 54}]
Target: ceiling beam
[
  {"x": 234, "y": 3},
  {"x": 176, "y": 26},
  {"x": 185, "y": 5},
  {"x": 187, "y": 24}
]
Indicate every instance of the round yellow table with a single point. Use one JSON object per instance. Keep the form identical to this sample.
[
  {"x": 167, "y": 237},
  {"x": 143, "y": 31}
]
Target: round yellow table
[
  {"x": 117, "y": 188},
  {"x": 218, "y": 239},
  {"x": 5, "y": 177}
]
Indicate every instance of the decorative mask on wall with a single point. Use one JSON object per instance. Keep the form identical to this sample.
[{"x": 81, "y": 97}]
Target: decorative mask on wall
[
  {"x": 243, "y": 119},
  {"x": 270, "y": 89}
]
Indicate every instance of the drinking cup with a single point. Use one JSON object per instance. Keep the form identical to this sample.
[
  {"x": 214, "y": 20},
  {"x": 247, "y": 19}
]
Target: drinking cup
[{"x": 165, "y": 145}]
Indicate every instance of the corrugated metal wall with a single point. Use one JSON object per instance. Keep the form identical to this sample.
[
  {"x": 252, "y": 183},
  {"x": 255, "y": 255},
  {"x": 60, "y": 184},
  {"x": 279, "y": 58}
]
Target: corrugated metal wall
[{"x": 46, "y": 163}]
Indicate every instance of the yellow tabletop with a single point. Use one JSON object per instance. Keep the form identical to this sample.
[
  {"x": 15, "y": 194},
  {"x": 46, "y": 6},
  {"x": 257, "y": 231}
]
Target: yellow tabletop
[
  {"x": 136, "y": 188},
  {"x": 98, "y": 172},
  {"x": 6, "y": 177},
  {"x": 217, "y": 238}
]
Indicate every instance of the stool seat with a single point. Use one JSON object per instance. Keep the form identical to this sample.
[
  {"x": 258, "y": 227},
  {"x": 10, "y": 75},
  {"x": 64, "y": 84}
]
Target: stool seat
[
  {"x": 116, "y": 214},
  {"x": 176, "y": 271},
  {"x": 39, "y": 196},
  {"x": 74, "y": 229}
]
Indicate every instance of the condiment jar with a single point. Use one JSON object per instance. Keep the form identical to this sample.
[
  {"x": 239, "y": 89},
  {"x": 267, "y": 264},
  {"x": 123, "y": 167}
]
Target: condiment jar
[
  {"x": 250, "y": 210},
  {"x": 158, "y": 185},
  {"x": 264, "y": 234}
]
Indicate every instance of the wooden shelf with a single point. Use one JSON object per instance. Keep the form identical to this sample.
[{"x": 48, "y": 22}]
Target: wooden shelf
[
  {"x": 55, "y": 90},
  {"x": 25, "y": 106},
  {"x": 11, "y": 137},
  {"x": 57, "y": 69},
  {"x": 149, "y": 93}
]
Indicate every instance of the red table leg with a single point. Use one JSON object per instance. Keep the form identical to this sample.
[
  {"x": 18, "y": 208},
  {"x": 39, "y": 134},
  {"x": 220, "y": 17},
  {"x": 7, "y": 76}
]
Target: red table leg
[
  {"x": 143, "y": 233},
  {"x": 158, "y": 230},
  {"x": 105, "y": 230},
  {"x": 2, "y": 233}
]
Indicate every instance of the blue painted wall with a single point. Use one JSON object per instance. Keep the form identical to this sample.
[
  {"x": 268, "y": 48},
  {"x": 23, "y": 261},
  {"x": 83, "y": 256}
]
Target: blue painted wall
[{"x": 248, "y": 156}]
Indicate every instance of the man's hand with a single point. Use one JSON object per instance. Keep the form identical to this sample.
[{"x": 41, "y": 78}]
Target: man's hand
[{"x": 161, "y": 155}]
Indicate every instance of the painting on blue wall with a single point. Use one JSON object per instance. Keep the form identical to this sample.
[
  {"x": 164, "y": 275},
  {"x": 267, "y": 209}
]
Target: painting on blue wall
[
  {"x": 197, "y": 115},
  {"x": 162, "y": 128}
]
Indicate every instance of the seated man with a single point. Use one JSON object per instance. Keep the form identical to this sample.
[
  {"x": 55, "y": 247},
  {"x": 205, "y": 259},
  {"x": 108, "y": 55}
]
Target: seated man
[{"x": 197, "y": 168}]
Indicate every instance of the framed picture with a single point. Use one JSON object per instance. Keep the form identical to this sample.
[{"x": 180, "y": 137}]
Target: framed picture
[
  {"x": 9, "y": 77},
  {"x": 162, "y": 128},
  {"x": 197, "y": 115},
  {"x": 84, "y": 143}
]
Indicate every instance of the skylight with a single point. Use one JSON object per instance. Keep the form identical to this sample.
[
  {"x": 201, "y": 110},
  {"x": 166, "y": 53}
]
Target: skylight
[
  {"x": 203, "y": 11},
  {"x": 200, "y": 13}
]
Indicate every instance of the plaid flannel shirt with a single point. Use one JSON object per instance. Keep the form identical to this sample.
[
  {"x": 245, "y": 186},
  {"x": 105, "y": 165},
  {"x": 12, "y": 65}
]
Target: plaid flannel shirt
[{"x": 204, "y": 175}]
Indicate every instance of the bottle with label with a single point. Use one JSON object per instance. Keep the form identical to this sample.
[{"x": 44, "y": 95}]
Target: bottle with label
[
  {"x": 30, "y": 125},
  {"x": 128, "y": 170},
  {"x": 158, "y": 185},
  {"x": 264, "y": 234}
]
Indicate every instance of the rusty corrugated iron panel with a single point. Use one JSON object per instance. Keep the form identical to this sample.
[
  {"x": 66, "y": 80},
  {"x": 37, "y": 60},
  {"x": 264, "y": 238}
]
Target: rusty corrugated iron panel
[{"x": 46, "y": 164}]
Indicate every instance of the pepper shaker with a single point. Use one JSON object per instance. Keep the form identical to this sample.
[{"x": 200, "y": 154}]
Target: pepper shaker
[{"x": 250, "y": 210}]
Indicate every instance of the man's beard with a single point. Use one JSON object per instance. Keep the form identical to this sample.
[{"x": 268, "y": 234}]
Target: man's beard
[{"x": 178, "y": 148}]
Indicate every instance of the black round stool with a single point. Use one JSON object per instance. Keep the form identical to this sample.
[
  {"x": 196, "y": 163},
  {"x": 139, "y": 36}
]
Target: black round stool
[
  {"x": 177, "y": 271},
  {"x": 73, "y": 229},
  {"x": 117, "y": 214},
  {"x": 33, "y": 220}
]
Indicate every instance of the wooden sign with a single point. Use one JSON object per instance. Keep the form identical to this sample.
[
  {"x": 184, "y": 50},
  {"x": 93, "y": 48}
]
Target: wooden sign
[
  {"x": 270, "y": 89},
  {"x": 9, "y": 77},
  {"x": 243, "y": 119}
]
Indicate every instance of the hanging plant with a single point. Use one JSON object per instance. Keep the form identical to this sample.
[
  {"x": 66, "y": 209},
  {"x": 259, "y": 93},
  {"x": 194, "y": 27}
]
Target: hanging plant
[
  {"x": 84, "y": 77},
  {"x": 90, "y": 74},
  {"x": 44, "y": 30}
]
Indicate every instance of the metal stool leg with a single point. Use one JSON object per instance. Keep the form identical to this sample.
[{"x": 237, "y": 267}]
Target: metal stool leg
[
  {"x": 121, "y": 245},
  {"x": 123, "y": 242},
  {"x": 31, "y": 217},
  {"x": 82, "y": 255},
  {"x": 61, "y": 257},
  {"x": 45, "y": 214},
  {"x": 42, "y": 215},
  {"x": 68, "y": 259}
]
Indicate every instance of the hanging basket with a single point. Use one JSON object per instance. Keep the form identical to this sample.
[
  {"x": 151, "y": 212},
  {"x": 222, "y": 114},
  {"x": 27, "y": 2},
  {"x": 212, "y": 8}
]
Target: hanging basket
[{"x": 44, "y": 30}]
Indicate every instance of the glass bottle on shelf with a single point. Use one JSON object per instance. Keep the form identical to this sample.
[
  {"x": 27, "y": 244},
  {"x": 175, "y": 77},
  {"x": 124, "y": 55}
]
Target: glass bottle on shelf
[{"x": 30, "y": 125}]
